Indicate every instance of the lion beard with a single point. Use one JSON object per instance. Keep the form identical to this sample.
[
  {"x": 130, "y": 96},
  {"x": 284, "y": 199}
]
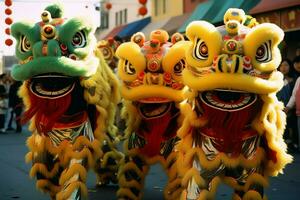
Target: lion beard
[{"x": 45, "y": 112}]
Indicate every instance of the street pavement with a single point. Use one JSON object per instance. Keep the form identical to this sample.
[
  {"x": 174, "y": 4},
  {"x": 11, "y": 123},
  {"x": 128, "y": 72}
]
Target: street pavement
[{"x": 16, "y": 184}]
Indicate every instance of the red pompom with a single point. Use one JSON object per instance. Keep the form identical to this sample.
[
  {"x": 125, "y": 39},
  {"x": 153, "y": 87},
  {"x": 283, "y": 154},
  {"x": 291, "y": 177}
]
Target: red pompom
[
  {"x": 7, "y": 31},
  {"x": 8, "y": 42},
  {"x": 143, "y": 10},
  {"x": 108, "y": 6},
  {"x": 8, "y": 11},
  {"x": 8, "y": 21},
  {"x": 8, "y": 2},
  {"x": 143, "y": 2}
]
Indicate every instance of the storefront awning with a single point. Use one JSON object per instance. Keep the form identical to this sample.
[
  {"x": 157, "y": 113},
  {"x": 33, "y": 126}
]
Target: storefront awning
[
  {"x": 153, "y": 26},
  {"x": 198, "y": 14},
  {"x": 270, "y": 5},
  {"x": 213, "y": 10},
  {"x": 175, "y": 22},
  {"x": 114, "y": 31},
  {"x": 218, "y": 9},
  {"x": 134, "y": 27}
]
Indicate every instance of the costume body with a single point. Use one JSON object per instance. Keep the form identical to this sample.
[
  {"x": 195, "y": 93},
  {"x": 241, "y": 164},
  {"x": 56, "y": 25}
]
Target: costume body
[
  {"x": 233, "y": 126},
  {"x": 152, "y": 88},
  {"x": 70, "y": 95}
]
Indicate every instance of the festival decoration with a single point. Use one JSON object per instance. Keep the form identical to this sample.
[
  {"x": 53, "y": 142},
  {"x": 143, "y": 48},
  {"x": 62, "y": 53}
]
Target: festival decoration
[
  {"x": 108, "y": 5},
  {"x": 8, "y": 21}
]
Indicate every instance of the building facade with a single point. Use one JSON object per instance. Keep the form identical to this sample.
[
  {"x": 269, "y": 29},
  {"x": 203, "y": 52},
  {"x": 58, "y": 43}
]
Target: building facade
[{"x": 121, "y": 12}]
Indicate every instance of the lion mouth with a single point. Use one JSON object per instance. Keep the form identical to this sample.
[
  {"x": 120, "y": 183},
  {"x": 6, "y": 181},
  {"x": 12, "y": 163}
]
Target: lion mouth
[
  {"x": 227, "y": 100},
  {"x": 51, "y": 85},
  {"x": 153, "y": 110}
]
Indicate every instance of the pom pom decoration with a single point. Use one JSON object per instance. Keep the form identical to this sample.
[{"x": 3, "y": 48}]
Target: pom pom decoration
[
  {"x": 8, "y": 42},
  {"x": 108, "y": 6},
  {"x": 8, "y": 3},
  {"x": 8, "y": 11},
  {"x": 143, "y": 2},
  {"x": 8, "y": 21},
  {"x": 143, "y": 11},
  {"x": 7, "y": 31}
]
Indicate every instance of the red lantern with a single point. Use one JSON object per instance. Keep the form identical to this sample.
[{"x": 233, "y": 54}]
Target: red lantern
[
  {"x": 8, "y": 21},
  {"x": 8, "y": 42},
  {"x": 8, "y": 11},
  {"x": 143, "y": 2},
  {"x": 7, "y": 31},
  {"x": 143, "y": 10},
  {"x": 108, "y": 6},
  {"x": 8, "y": 2}
]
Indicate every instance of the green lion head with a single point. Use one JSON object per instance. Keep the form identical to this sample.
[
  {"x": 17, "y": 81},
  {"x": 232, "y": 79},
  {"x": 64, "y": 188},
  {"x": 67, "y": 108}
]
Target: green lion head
[{"x": 54, "y": 45}]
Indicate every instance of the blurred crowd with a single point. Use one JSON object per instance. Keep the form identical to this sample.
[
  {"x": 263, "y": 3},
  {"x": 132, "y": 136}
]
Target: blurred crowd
[
  {"x": 290, "y": 96},
  {"x": 11, "y": 105}
]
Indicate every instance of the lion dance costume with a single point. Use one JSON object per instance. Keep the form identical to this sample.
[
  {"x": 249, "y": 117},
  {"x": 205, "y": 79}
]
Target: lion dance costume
[
  {"x": 108, "y": 48},
  {"x": 233, "y": 125},
  {"x": 152, "y": 88},
  {"x": 70, "y": 96}
]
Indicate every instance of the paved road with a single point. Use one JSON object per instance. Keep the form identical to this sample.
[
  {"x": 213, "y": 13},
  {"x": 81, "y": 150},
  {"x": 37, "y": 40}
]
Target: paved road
[{"x": 16, "y": 184}]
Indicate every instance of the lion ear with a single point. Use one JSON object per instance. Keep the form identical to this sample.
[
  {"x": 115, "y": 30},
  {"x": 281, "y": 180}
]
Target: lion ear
[
  {"x": 206, "y": 43},
  {"x": 261, "y": 45}
]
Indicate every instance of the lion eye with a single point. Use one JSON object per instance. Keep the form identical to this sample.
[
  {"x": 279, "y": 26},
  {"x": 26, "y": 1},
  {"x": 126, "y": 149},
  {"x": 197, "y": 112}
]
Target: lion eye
[
  {"x": 128, "y": 68},
  {"x": 263, "y": 52},
  {"x": 106, "y": 52},
  {"x": 179, "y": 67},
  {"x": 24, "y": 44},
  {"x": 79, "y": 39},
  {"x": 200, "y": 50}
]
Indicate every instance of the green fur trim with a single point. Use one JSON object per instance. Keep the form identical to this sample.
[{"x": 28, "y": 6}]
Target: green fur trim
[
  {"x": 61, "y": 65},
  {"x": 56, "y": 10}
]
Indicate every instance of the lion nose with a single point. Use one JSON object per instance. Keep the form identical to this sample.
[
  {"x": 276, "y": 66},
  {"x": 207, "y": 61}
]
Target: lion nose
[
  {"x": 154, "y": 79},
  {"x": 46, "y": 48}
]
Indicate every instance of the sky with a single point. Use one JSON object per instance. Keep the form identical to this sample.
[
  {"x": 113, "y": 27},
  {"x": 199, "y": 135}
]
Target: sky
[{"x": 32, "y": 9}]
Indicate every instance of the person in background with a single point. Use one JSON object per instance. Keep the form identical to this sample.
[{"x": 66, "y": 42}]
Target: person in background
[
  {"x": 15, "y": 104},
  {"x": 294, "y": 102},
  {"x": 3, "y": 108},
  {"x": 288, "y": 71}
]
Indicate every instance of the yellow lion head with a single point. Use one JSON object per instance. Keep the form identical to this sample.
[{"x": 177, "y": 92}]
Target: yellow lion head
[
  {"x": 233, "y": 56},
  {"x": 152, "y": 71}
]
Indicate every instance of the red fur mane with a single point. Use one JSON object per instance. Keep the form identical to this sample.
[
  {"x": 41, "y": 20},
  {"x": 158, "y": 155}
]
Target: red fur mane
[{"x": 46, "y": 111}]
